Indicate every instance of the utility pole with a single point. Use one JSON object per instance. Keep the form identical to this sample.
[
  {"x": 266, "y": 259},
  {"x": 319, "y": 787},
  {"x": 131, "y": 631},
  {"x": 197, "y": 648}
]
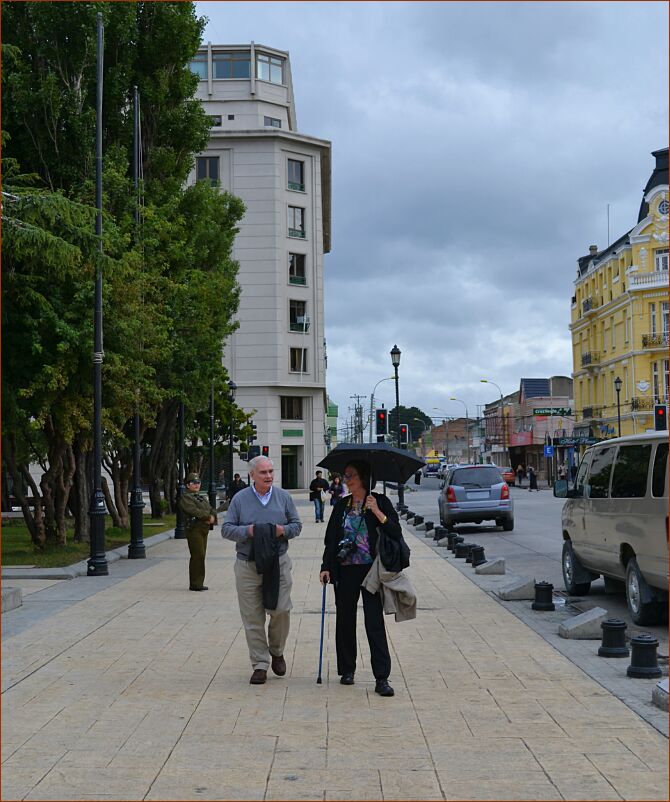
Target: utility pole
[{"x": 358, "y": 418}]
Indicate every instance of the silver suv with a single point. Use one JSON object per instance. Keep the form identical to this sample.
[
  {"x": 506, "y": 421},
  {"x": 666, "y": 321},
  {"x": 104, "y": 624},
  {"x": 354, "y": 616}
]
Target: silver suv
[
  {"x": 475, "y": 493},
  {"x": 615, "y": 522}
]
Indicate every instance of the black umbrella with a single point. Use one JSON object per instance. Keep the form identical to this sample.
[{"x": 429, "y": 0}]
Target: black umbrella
[{"x": 387, "y": 464}]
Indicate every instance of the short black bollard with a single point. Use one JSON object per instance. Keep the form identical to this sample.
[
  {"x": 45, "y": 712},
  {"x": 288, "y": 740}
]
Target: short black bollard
[
  {"x": 543, "y": 596},
  {"x": 462, "y": 550},
  {"x": 643, "y": 660},
  {"x": 455, "y": 541},
  {"x": 477, "y": 556},
  {"x": 614, "y": 638},
  {"x": 429, "y": 525},
  {"x": 410, "y": 515},
  {"x": 468, "y": 559},
  {"x": 439, "y": 533},
  {"x": 450, "y": 538},
  {"x": 418, "y": 519}
]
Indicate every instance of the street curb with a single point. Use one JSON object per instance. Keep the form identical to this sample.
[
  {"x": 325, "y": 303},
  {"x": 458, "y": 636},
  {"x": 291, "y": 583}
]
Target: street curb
[{"x": 81, "y": 568}]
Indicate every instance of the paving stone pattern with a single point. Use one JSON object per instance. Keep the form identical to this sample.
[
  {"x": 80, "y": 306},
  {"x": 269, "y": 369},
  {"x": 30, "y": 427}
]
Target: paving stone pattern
[{"x": 141, "y": 691}]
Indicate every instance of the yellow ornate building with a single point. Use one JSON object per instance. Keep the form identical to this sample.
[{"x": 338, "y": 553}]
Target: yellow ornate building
[{"x": 619, "y": 322}]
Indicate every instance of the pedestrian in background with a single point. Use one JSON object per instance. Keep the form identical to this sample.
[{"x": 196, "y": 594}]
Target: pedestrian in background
[
  {"x": 336, "y": 490},
  {"x": 350, "y": 547},
  {"x": 200, "y": 518},
  {"x": 317, "y": 487},
  {"x": 520, "y": 474},
  {"x": 237, "y": 484},
  {"x": 262, "y": 511},
  {"x": 532, "y": 479}
]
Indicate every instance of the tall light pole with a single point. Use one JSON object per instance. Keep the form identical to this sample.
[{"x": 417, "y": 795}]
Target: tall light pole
[
  {"x": 423, "y": 423},
  {"x": 395, "y": 361},
  {"x": 617, "y": 387},
  {"x": 97, "y": 562},
  {"x": 212, "y": 481},
  {"x": 502, "y": 413},
  {"x": 232, "y": 389},
  {"x": 179, "y": 530},
  {"x": 467, "y": 423},
  {"x": 372, "y": 403}
]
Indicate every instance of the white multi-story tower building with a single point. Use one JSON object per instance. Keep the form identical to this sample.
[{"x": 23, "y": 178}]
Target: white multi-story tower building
[{"x": 277, "y": 356}]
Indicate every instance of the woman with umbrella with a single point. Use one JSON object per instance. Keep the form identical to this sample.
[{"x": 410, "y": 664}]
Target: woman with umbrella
[{"x": 350, "y": 548}]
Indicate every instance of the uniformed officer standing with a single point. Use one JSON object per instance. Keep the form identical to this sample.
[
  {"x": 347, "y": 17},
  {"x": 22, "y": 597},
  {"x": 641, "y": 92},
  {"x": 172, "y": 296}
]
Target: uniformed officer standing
[{"x": 199, "y": 515}]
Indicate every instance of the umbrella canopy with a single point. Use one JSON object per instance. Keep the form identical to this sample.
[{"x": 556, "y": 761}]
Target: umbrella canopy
[{"x": 388, "y": 464}]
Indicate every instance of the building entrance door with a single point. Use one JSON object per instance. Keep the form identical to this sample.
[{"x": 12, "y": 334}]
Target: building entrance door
[{"x": 289, "y": 467}]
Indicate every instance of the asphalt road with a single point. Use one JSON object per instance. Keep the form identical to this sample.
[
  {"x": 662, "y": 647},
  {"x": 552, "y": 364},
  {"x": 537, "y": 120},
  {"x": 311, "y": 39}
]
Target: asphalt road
[{"x": 533, "y": 548}]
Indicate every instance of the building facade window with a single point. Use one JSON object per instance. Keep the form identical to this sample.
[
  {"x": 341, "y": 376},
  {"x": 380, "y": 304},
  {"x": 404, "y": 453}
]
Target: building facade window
[
  {"x": 652, "y": 319},
  {"x": 612, "y": 324},
  {"x": 270, "y": 68},
  {"x": 661, "y": 259},
  {"x": 655, "y": 384},
  {"x": 198, "y": 66},
  {"x": 298, "y": 360},
  {"x": 272, "y": 122},
  {"x": 215, "y": 120},
  {"x": 231, "y": 64},
  {"x": 296, "y": 175},
  {"x": 296, "y": 222},
  {"x": 291, "y": 407},
  {"x": 296, "y": 269},
  {"x": 298, "y": 320},
  {"x": 207, "y": 169},
  {"x": 664, "y": 319}
]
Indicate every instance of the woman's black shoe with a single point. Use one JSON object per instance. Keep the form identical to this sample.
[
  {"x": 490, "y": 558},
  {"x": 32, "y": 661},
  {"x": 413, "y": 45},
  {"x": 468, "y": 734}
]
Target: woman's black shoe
[
  {"x": 347, "y": 679},
  {"x": 383, "y": 688}
]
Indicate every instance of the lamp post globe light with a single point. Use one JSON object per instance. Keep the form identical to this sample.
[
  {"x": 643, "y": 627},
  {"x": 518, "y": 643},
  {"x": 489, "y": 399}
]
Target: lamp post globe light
[
  {"x": 395, "y": 361},
  {"x": 467, "y": 423},
  {"x": 232, "y": 389},
  {"x": 502, "y": 416},
  {"x": 617, "y": 387}
]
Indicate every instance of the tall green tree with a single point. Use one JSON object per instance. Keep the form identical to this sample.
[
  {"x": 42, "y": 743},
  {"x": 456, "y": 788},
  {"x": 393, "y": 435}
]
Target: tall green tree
[{"x": 170, "y": 289}]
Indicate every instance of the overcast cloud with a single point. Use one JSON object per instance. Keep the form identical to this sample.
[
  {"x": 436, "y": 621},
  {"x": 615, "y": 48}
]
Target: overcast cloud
[{"x": 475, "y": 149}]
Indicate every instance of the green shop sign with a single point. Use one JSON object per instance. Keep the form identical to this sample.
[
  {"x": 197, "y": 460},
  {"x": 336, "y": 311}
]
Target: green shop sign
[{"x": 552, "y": 411}]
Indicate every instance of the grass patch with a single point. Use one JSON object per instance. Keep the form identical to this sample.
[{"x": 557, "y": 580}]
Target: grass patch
[{"x": 17, "y": 548}]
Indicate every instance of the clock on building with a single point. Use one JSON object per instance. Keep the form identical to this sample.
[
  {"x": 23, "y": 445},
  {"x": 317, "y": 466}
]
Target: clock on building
[{"x": 663, "y": 207}]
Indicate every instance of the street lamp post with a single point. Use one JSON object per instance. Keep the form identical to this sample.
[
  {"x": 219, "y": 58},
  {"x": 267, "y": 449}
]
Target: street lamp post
[
  {"x": 395, "y": 361},
  {"x": 232, "y": 389},
  {"x": 97, "y": 564},
  {"x": 179, "y": 532},
  {"x": 617, "y": 387},
  {"x": 212, "y": 481},
  {"x": 502, "y": 414},
  {"x": 467, "y": 423}
]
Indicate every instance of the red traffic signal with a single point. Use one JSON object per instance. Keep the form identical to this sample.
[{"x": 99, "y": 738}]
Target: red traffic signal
[
  {"x": 404, "y": 433},
  {"x": 660, "y": 417},
  {"x": 382, "y": 421},
  {"x": 266, "y": 451}
]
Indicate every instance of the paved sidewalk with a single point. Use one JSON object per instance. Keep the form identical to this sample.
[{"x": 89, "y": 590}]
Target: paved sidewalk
[{"x": 130, "y": 687}]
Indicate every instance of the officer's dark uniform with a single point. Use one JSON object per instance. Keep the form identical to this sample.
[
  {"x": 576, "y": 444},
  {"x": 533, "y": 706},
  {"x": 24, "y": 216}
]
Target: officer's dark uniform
[{"x": 197, "y": 510}]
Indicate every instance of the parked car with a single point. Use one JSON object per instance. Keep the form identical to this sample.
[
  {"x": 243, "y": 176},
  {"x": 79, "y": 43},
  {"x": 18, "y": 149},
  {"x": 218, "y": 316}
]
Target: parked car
[
  {"x": 431, "y": 467},
  {"x": 475, "y": 493},
  {"x": 508, "y": 475},
  {"x": 615, "y": 522}
]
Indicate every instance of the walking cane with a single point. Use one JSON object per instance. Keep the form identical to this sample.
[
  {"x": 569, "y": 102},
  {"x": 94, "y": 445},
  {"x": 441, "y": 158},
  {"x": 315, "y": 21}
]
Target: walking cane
[{"x": 323, "y": 615}]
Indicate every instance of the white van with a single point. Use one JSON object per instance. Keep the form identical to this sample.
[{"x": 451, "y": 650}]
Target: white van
[{"x": 615, "y": 522}]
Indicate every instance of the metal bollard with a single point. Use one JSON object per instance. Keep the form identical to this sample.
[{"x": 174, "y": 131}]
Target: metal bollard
[
  {"x": 462, "y": 550},
  {"x": 439, "y": 533},
  {"x": 410, "y": 515},
  {"x": 455, "y": 541},
  {"x": 418, "y": 519},
  {"x": 468, "y": 559},
  {"x": 477, "y": 556},
  {"x": 614, "y": 638},
  {"x": 543, "y": 596},
  {"x": 450, "y": 538},
  {"x": 429, "y": 525},
  {"x": 643, "y": 660}
]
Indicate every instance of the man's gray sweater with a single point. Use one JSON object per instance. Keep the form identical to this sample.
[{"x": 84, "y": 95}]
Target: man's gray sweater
[{"x": 245, "y": 509}]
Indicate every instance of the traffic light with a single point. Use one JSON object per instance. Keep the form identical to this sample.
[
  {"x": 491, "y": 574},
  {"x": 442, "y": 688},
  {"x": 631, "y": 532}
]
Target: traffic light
[
  {"x": 382, "y": 422},
  {"x": 254, "y": 451},
  {"x": 253, "y": 435},
  {"x": 660, "y": 417},
  {"x": 266, "y": 451},
  {"x": 404, "y": 434}
]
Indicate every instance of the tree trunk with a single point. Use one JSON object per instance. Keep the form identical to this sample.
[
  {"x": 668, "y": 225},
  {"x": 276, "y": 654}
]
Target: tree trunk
[
  {"x": 162, "y": 459},
  {"x": 34, "y": 517},
  {"x": 80, "y": 494}
]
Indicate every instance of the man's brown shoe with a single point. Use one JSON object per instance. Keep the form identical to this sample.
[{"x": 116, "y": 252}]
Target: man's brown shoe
[
  {"x": 258, "y": 677},
  {"x": 279, "y": 665}
]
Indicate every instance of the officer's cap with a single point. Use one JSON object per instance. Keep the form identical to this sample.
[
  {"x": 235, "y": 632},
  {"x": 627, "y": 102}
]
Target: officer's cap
[{"x": 192, "y": 477}]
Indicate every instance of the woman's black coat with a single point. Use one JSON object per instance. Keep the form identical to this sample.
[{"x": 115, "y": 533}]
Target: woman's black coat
[{"x": 335, "y": 532}]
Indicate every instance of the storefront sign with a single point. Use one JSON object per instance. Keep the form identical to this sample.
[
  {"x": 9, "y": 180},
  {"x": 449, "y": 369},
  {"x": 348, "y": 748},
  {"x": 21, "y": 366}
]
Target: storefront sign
[
  {"x": 576, "y": 441},
  {"x": 552, "y": 411}
]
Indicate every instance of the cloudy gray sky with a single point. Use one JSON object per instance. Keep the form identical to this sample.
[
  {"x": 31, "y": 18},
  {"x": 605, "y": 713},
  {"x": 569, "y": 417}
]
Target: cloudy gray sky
[{"x": 476, "y": 147}]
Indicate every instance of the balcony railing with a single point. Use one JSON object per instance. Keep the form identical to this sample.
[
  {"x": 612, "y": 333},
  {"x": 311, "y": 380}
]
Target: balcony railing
[
  {"x": 590, "y": 358},
  {"x": 638, "y": 404},
  {"x": 588, "y": 413},
  {"x": 301, "y": 325},
  {"x": 296, "y": 186},
  {"x": 655, "y": 340},
  {"x": 296, "y": 232},
  {"x": 591, "y": 303},
  {"x": 297, "y": 280},
  {"x": 642, "y": 281}
]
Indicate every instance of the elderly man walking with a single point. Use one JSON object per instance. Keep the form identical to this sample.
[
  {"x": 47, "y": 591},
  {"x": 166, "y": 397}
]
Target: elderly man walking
[{"x": 261, "y": 519}]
